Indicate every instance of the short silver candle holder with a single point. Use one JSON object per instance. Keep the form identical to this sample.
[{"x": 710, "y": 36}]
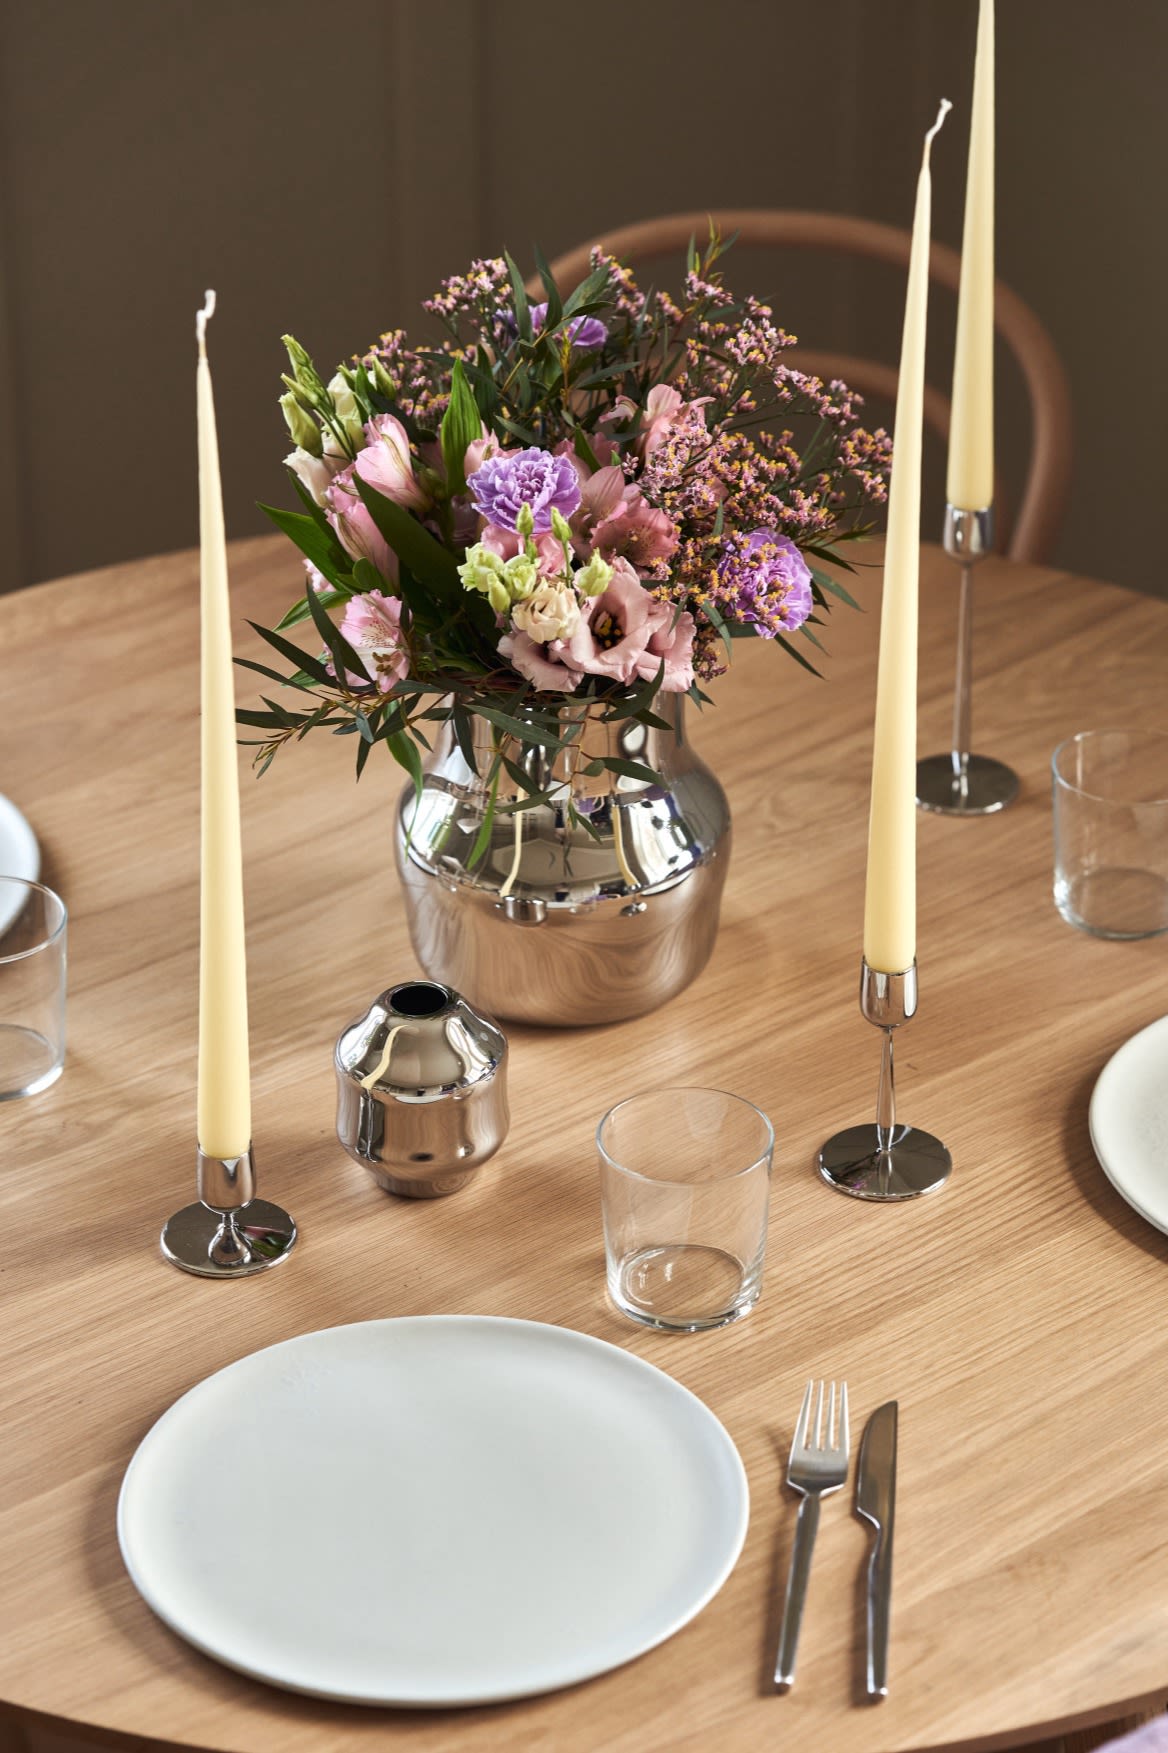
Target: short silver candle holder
[
  {"x": 229, "y": 1233},
  {"x": 885, "y": 1161},
  {"x": 961, "y": 784}
]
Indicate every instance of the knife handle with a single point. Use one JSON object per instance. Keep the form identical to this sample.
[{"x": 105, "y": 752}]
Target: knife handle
[
  {"x": 879, "y": 1605},
  {"x": 805, "y": 1531}
]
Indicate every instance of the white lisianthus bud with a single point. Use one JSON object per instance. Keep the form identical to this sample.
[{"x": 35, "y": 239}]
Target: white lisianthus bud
[
  {"x": 522, "y": 576},
  {"x": 550, "y": 612},
  {"x": 347, "y": 412},
  {"x": 593, "y": 578},
  {"x": 482, "y": 570},
  {"x": 315, "y": 473}
]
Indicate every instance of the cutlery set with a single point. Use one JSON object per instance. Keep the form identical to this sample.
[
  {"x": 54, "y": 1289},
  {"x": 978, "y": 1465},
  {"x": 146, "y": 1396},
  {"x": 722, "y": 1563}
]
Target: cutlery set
[{"x": 817, "y": 1467}]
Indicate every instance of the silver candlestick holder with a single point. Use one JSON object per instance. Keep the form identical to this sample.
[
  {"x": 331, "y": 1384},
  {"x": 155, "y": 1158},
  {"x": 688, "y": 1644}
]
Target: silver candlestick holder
[
  {"x": 229, "y": 1233},
  {"x": 886, "y": 1161},
  {"x": 961, "y": 784}
]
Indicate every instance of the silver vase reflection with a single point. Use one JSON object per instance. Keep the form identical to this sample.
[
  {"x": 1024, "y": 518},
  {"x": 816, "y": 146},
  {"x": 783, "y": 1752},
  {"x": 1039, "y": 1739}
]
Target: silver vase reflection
[{"x": 558, "y": 922}]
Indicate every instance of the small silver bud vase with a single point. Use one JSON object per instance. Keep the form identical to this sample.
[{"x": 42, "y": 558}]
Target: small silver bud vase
[{"x": 421, "y": 1090}]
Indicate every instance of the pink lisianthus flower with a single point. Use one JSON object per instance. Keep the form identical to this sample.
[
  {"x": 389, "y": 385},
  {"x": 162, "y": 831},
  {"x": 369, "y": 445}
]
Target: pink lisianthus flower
[
  {"x": 672, "y": 641},
  {"x": 506, "y": 544},
  {"x": 386, "y": 463},
  {"x": 626, "y": 634},
  {"x": 615, "y": 518},
  {"x": 372, "y": 625},
  {"x": 547, "y": 666},
  {"x": 353, "y": 522}
]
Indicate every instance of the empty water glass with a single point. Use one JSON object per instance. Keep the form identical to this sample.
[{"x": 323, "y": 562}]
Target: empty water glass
[
  {"x": 32, "y": 987},
  {"x": 1111, "y": 832},
  {"x": 684, "y": 1188}
]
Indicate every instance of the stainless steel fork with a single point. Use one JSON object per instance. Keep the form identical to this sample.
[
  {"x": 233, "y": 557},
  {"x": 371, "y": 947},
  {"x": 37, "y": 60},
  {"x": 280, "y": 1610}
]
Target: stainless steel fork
[{"x": 818, "y": 1465}]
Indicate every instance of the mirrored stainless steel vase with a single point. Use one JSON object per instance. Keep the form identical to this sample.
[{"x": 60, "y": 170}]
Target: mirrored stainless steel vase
[
  {"x": 556, "y": 924},
  {"x": 421, "y": 1090}
]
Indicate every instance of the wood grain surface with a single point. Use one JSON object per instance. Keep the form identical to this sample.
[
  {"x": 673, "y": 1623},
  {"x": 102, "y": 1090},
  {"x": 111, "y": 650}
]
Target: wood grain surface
[{"x": 1018, "y": 1316}]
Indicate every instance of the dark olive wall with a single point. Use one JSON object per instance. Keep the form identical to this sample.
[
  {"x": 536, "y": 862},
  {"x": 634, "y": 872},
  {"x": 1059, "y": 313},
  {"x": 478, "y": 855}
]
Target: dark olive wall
[{"x": 323, "y": 166}]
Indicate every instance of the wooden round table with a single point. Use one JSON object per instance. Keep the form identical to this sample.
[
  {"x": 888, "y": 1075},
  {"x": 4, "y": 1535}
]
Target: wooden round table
[{"x": 1018, "y": 1316}]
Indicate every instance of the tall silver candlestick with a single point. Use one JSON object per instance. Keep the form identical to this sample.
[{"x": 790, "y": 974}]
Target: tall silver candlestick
[
  {"x": 229, "y": 1233},
  {"x": 885, "y": 1161},
  {"x": 961, "y": 784}
]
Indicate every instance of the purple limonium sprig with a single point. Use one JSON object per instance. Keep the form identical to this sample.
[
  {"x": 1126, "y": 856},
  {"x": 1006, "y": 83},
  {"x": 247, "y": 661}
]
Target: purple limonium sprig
[
  {"x": 763, "y": 580},
  {"x": 505, "y": 484},
  {"x": 583, "y": 332}
]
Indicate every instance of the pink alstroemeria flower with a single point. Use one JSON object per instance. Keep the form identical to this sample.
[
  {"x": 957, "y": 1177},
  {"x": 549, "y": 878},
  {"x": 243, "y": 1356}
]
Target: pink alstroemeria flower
[
  {"x": 372, "y": 625},
  {"x": 544, "y": 666},
  {"x": 351, "y": 518},
  {"x": 386, "y": 463},
  {"x": 506, "y": 544},
  {"x": 478, "y": 450},
  {"x": 615, "y": 518},
  {"x": 666, "y": 412}
]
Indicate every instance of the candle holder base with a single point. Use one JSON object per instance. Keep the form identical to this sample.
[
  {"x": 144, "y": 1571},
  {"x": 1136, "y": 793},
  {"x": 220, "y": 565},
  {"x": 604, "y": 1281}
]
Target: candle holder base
[
  {"x": 915, "y": 1163},
  {"x": 228, "y": 1244},
  {"x": 977, "y": 786}
]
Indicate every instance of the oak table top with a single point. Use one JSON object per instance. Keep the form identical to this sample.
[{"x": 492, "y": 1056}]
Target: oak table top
[{"x": 1018, "y": 1316}]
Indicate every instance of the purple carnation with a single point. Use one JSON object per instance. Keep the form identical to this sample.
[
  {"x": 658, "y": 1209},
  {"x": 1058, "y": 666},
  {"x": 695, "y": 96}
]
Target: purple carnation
[
  {"x": 505, "y": 484},
  {"x": 586, "y": 333},
  {"x": 763, "y": 580}
]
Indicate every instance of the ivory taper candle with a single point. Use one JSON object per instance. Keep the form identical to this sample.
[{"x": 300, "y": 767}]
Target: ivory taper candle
[
  {"x": 970, "y": 483},
  {"x": 224, "y": 1101},
  {"x": 890, "y": 899}
]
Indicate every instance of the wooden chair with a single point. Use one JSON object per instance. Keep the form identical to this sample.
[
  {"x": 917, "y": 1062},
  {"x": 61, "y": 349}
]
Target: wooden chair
[{"x": 1045, "y": 490}]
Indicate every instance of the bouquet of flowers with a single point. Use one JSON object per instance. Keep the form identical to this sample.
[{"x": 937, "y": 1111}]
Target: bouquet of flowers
[{"x": 580, "y": 499}]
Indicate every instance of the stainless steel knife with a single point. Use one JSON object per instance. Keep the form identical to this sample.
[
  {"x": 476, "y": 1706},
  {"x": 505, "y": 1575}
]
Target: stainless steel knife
[{"x": 876, "y": 1503}]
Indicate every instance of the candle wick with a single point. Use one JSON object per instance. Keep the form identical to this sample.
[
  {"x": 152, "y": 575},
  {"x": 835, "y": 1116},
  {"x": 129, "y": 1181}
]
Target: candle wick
[
  {"x": 946, "y": 106},
  {"x": 202, "y": 319}
]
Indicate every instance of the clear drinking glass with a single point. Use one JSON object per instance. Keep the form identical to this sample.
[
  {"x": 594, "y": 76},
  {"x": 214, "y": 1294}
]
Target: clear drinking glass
[
  {"x": 1111, "y": 832},
  {"x": 684, "y": 1186},
  {"x": 32, "y": 987}
]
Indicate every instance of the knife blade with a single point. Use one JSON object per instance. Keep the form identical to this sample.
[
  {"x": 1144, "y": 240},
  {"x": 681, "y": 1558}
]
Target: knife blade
[{"x": 876, "y": 1503}]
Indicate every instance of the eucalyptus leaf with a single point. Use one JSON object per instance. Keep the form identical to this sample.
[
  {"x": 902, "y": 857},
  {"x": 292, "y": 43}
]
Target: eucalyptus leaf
[
  {"x": 308, "y": 665},
  {"x": 630, "y": 769},
  {"x": 826, "y": 582},
  {"x": 430, "y": 563},
  {"x": 316, "y": 543},
  {"x": 344, "y": 657},
  {"x": 519, "y": 295}
]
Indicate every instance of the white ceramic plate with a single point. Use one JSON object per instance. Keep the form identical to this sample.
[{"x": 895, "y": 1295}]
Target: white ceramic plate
[
  {"x": 1129, "y": 1122},
  {"x": 439, "y": 1510},
  {"x": 20, "y": 856}
]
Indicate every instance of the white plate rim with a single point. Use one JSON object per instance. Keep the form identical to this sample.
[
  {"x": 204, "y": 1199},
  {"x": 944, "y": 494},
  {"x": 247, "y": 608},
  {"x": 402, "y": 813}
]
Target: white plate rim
[
  {"x": 1112, "y": 1072},
  {"x": 586, "y": 1670}
]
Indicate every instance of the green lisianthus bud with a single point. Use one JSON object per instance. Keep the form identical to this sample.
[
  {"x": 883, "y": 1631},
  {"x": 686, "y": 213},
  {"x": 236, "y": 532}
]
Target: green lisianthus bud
[
  {"x": 482, "y": 570},
  {"x": 382, "y": 382},
  {"x": 593, "y": 578},
  {"x": 522, "y": 576},
  {"x": 560, "y": 527},
  {"x": 304, "y": 431},
  {"x": 305, "y": 379},
  {"x": 525, "y": 522}
]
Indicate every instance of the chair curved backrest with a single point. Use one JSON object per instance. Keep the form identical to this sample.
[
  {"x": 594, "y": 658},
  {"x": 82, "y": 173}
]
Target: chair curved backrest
[{"x": 1047, "y": 482}]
